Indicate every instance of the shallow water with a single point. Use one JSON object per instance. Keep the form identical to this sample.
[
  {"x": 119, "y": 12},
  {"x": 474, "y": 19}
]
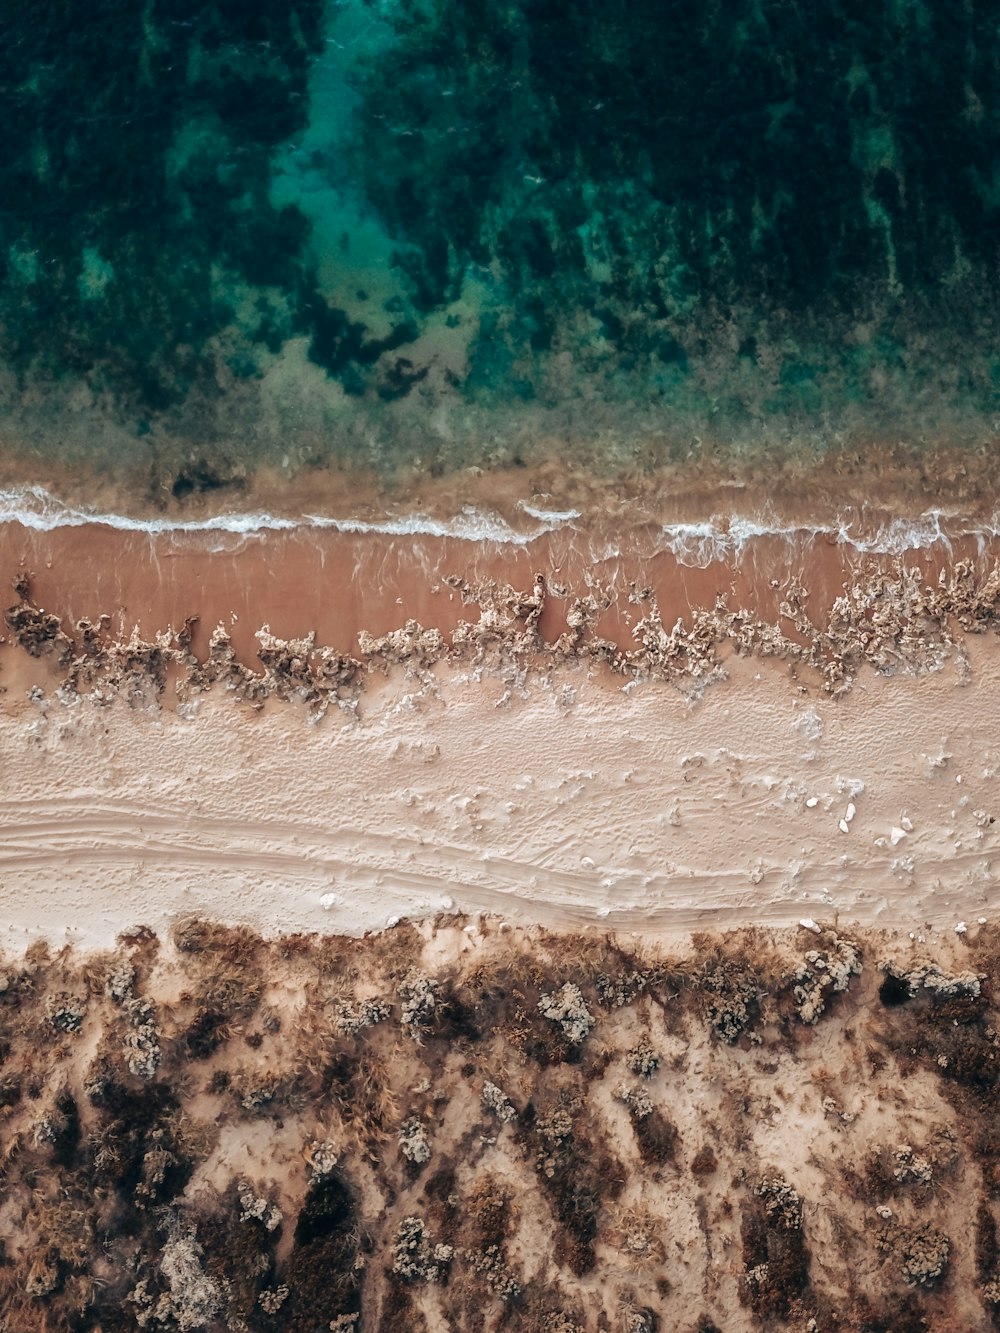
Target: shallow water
[{"x": 407, "y": 238}]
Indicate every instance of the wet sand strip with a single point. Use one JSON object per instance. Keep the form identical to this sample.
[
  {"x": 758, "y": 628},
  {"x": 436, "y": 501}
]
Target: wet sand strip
[{"x": 339, "y": 584}]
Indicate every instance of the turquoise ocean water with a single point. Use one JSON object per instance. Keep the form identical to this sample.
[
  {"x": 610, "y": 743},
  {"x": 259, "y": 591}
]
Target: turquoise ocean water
[{"x": 412, "y": 235}]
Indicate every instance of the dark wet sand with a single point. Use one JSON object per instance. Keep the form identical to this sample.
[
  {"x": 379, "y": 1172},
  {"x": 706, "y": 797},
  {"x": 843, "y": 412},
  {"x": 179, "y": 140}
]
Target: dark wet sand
[{"x": 338, "y": 584}]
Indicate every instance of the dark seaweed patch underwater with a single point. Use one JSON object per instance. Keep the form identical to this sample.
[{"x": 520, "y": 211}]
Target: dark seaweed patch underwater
[{"x": 424, "y": 234}]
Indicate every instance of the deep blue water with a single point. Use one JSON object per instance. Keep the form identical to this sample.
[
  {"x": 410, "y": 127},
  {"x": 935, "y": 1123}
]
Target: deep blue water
[{"x": 424, "y": 233}]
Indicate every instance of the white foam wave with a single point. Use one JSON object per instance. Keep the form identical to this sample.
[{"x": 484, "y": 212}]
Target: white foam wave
[
  {"x": 472, "y": 525},
  {"x": 695, "y": 545},
  {"x": 35, "y": 508},
  {"x": 549, "y": 515},
  {"x": 902, "y": 535},
  {"x": 698, "y": 545}
]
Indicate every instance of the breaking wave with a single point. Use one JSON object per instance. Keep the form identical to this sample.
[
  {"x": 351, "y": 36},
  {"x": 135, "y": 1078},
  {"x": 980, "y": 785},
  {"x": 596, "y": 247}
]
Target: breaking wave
[
  {"x": 698, "y": 545},
  {"x": 695, "y": 545},
  {"x": 36, "y": 508}
]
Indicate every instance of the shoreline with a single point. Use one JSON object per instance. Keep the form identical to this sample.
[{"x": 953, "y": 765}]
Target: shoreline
[
  {"x": 881, "y": 478},
  {"x": 717, "y": 535},
  {"x": 307, "y": 601}
]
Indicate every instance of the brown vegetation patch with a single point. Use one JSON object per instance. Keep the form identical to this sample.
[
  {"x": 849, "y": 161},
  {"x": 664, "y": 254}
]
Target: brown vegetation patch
[{"x": 425, "y": 1131}]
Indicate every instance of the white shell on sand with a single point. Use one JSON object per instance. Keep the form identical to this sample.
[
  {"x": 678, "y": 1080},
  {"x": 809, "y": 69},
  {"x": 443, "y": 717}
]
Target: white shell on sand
[{"x": 896, "y": 835}]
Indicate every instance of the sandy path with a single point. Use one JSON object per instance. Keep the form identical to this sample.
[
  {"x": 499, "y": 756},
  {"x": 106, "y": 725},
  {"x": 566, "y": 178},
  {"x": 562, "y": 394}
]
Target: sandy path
[{"x": 575, "y": 804}]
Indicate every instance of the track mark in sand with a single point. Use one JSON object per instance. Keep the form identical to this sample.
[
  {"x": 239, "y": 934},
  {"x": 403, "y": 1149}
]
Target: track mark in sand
[{"x": 58, "y": 835}]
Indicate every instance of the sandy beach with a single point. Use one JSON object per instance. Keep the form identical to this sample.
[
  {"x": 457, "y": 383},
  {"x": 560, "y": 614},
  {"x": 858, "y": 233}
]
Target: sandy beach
[
  {"x": 654, "y": 743},
  {"x": 555, "y": 796},
  {"x": 545, "y": 944}
]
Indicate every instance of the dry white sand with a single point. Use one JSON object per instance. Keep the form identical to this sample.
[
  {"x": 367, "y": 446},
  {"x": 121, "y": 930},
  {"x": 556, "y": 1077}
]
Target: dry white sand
[{"x": 566, "y": 803}]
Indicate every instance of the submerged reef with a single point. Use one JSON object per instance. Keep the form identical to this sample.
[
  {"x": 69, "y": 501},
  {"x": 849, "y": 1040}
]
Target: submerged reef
[
  {"x": 192, "y": 1138},
  {"x": 423, "y": 236}
]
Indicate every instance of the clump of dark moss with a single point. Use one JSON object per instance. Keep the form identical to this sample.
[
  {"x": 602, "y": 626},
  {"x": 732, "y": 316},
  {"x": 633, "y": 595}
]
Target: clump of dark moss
[
  {"x": 321, "y": 1273},
  {"x": 775, "y": 1257},
  {"x": 136, "y": 1146},
  {"x": 239, "y": 1252},
  {"x": 578, "y": 1173},
  {"x": 704, "y": 1163},
  {"x": 657, "y": 1137},
  {"x": 894, "y": 991}
]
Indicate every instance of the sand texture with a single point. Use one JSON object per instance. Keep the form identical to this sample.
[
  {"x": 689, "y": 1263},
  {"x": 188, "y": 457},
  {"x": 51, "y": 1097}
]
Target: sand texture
[{"x": 561, "y": 800}]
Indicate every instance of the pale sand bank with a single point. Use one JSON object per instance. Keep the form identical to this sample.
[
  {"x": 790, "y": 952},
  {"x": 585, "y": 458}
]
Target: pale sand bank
[{"x": 567, "y": 802}]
